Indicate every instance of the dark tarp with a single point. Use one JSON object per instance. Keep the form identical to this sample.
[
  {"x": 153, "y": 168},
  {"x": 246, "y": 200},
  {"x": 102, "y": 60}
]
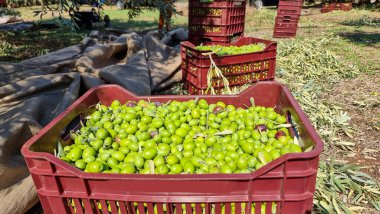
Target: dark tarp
[{"x": 35, "y": 91}]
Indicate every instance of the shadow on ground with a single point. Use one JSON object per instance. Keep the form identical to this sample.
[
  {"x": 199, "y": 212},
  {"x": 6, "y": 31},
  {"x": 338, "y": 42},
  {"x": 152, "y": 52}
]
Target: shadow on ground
[
  {"x": 362, "y": 38},
  {"x": 136, "y": 25},
  {"x": 364, "y": 21},
  {"x": 18, "y": 45},
  {"x": 133, "y": 24}
]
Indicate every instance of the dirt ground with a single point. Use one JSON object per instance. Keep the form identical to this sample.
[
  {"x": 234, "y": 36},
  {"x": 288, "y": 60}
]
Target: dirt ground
[{"x": 360, "y": 97}]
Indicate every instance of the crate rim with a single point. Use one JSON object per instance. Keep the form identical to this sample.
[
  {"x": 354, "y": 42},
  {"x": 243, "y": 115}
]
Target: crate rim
[
  {"x": 268, "y": 44},
  {"x": 318, "y": 147}
]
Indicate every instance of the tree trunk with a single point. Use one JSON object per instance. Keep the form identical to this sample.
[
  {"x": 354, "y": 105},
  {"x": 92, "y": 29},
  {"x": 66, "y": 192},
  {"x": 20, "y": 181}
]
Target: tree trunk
[{"x": 165, "y": 18}]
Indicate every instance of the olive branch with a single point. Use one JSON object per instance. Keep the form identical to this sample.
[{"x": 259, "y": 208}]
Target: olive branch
[{"x": 215, "y": 71}]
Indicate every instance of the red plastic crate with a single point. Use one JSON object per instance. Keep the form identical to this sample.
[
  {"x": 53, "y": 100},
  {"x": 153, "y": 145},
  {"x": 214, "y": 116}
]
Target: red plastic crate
[
  {"x": 346, "y": 6},
  {"x": 290, "y": 3},
  {"x": 289, "y": 10},
  {"x": 219, "y": 18},
  {"x": 288, "y": 13},
  {"x": 328, "y": 7},
  {"x": 238, "y": 69},
  {"x": 288, "y": 24},
  {"x": 285, "y": 30},
  {"x": 284, "y": 34},
  {"x": 3, "y": 3},
  {"x": 287, "y": 183},
  {"x": 285, "y": 17}
]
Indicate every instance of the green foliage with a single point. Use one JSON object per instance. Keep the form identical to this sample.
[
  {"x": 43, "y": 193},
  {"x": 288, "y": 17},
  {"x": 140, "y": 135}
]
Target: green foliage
[
  {"x": 8, "y": 12},
  {"x": 136, "y": 8}
]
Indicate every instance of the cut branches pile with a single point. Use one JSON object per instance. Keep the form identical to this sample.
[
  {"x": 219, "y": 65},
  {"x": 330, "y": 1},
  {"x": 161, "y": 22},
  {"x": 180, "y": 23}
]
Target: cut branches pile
[
  {"x": 343, "y": 188},
  {"x": 310, "y": 70}
]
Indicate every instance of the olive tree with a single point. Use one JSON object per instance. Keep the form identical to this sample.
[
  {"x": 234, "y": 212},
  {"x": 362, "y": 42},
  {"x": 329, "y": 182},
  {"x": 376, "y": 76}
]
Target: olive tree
[{"x": 135, "y": 8}]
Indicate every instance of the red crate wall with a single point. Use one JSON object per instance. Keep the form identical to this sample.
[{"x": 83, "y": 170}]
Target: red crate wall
[{"x": 217, "y": 21}]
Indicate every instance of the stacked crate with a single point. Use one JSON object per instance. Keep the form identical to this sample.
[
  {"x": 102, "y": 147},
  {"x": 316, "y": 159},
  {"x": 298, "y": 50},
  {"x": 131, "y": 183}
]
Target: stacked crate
[
  {"x": 328, "y": 7},
  {"x": 217, "y": 21},
  {"x": 221, "y": 22},
  {"x": 288, "y": 14}
]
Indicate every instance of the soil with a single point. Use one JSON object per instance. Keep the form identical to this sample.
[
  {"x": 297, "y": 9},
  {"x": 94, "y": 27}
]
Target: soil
[{"x": 360, "y": 97}]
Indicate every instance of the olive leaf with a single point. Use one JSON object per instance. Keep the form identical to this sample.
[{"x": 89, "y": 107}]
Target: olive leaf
[
  {"x": 225, "y": 132},
  {"x": 58, "y": 151}
]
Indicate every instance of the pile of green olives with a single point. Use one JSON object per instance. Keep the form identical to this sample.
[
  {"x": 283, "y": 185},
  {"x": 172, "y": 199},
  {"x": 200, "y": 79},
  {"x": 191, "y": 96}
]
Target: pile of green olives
[{"x": 191, "y": 137}]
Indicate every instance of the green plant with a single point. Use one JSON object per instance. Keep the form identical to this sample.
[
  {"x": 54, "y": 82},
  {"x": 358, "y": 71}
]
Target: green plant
[{"x": 8, "y": 12}]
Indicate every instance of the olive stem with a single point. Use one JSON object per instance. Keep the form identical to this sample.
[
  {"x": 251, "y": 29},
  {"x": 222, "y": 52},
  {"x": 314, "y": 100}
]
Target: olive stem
[
  {"x": 167, "y": 103},
  {"x": 73, "y": 135},
  {"x": 207, "y": 113},
  {"x": 286, "y": 125},
  {"x": 59, "y": 152},
  {"x": 196, "y": 100},
  {"x": 151, "y": 166},
  {"x": 81, "y": 123},
  {"x": 225, "y": 132},
  {"x": 218, "y": 73},
  {"x": 94, "y": 105},
  {"x": 98, "y": 106},
  {"x": 200, "y": 135},
  {"x": 296, "y": 141},
  {"x": 252, "y": 101},
  {"x": 309, "y": 149},
  {"x": 261, "y": 133}
]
